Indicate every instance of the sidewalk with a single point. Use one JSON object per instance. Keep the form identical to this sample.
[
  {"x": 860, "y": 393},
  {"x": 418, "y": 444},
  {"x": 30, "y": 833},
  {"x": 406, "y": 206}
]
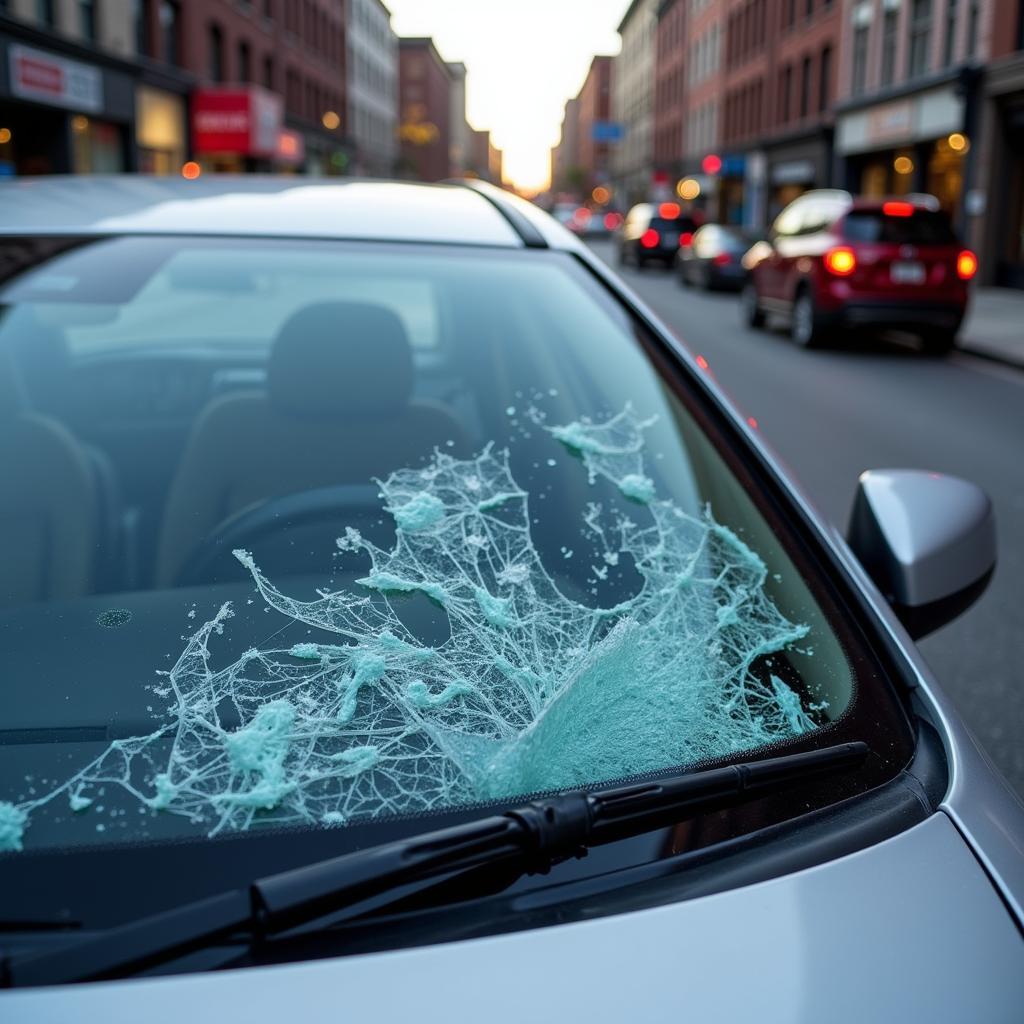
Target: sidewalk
[{"x": 995, "y": 325}]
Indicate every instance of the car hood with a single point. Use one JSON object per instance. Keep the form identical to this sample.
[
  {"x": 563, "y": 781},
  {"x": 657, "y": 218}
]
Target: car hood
[{"x": 909, "y": 929}]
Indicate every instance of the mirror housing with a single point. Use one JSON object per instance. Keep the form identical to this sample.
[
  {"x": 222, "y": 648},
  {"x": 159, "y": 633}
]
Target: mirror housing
[{"x": 927, "y": 540}]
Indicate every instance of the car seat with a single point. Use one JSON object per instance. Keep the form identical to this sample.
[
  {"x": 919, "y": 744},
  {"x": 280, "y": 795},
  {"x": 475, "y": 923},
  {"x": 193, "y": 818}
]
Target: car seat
[
  {"x": 49, "y": 511},
  {"x": 337, "y": 409}
]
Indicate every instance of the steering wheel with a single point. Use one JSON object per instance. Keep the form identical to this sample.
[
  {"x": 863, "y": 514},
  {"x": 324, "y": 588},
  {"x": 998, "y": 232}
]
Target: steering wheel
[{"x": 277, "y": 515}]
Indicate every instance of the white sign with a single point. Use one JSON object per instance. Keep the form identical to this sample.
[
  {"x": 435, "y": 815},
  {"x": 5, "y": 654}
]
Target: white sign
[{"x": 47, "y": 78}]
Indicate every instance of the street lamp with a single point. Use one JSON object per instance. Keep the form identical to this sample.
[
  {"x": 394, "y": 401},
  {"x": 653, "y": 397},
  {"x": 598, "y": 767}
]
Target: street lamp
[{"x": 330, "y": 120}]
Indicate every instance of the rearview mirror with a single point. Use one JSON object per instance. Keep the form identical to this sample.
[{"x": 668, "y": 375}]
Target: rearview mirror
[{"x": 927, "y": 540}]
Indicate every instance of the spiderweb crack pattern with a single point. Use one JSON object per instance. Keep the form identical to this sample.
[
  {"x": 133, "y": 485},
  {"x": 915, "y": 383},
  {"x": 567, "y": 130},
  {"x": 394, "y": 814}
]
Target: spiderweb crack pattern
[{"x": 530, "y": 691}]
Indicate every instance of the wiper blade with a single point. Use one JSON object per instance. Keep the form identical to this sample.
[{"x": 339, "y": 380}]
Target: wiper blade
[{"x": 531, "y": 838}]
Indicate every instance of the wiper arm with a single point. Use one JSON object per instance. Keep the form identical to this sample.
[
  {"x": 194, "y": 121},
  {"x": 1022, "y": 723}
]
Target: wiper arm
[{"x": 533, "y": 838}]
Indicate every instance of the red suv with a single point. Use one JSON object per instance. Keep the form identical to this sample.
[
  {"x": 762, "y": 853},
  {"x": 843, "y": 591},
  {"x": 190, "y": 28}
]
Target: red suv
[{"x": 834, "y": 261}]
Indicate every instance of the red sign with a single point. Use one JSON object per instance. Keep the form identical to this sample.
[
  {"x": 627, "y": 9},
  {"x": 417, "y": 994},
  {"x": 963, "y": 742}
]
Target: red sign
[{"x": 245, "y": 121}]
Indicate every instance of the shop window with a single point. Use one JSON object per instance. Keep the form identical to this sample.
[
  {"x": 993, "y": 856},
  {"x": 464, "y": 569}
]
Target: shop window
[
  {"x": 860, "y": 59},
  {"x": 170, "y": 29},
  {"x": 920, "y": 37},
  {"x": 949, "y": 44},
  {"x": 215, "y": 53},
  {"x": 945, "y": 175},
  {"x": 890, "y": 26}
]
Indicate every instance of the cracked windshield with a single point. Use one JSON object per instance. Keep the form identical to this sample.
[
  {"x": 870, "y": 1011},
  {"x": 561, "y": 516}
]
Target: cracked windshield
[{"x": 360, "y": 532}]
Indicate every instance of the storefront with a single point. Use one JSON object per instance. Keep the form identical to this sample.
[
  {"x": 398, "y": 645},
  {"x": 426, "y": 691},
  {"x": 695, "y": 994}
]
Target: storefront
[
  {"x": 997, "y": 204},
  {"x": 236, "y": 129},
  {"x": 917, "y": 143},
  {"x": 63, "y": 115},
  {"x": 795, "y": 167}
]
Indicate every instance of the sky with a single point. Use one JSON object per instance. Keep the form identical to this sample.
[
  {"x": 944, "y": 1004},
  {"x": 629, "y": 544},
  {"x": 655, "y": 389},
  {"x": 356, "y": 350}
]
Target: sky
[{"x": 524, "y": 59}]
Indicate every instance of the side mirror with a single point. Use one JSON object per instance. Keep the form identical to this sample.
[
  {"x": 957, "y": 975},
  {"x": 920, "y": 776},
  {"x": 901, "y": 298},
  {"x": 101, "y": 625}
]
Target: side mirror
[{"x": 927, "y": 540}]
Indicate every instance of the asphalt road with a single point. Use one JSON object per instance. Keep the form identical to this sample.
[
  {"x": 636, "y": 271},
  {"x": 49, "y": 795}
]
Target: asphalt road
[{"x": 833, "y": 413}]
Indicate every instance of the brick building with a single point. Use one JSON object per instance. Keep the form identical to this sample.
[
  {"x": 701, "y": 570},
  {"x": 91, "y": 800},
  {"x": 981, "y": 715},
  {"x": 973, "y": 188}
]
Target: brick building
[
  {"x": 565, "y": 154},
  {"x": 909, "y": 92},
  {"x": 425, "y": 87},
  {"x": 633, "y": 73},
  {"x": 238, "y": 86},
  {"x": 592, "y": 155},
  {"x": 994, "y": 214},
  {"x": 670, "y": 87}
]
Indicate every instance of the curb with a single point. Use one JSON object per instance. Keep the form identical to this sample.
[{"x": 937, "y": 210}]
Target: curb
[{"x": 992, "y": 355}]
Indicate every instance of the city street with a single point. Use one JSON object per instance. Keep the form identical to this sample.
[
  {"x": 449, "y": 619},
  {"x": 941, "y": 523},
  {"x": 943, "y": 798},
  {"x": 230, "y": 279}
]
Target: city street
[{"x": 833, "y": 413}]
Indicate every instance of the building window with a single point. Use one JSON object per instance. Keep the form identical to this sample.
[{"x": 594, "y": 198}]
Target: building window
[
  {"x": 920, "y": 37},
  {"x": 87, "y": 20},
  {"x": 825, "y": 80},
  {"x": 890, "y": 26},
  {"x": 215, "y": 55},
  {"x": 809, "y": 10},
  {"x": 140, "y": 26},
  {"x": 790, "y": 11},
  {"x": 860, "y": 59},
  {"x": 973, "y": 14},
  {"x": 170, "y": 29},
  {"x": 45, "y": 13},
  {"x": 786, "y": 91},
  {"x": 268, "y": 72},
  {"x": 805, "y": 87},
  {"x": 949, "y": 45},
  {"x": 268, "y": 9},
  {"x": 244, "y": 63}
]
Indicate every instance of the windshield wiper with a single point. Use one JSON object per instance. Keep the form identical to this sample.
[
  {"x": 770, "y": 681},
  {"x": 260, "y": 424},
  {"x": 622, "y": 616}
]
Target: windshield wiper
[{"x": 531, "y": 838}]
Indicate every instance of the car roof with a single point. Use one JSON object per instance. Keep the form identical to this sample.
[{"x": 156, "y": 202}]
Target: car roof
[{"x": 466, "y": 213}]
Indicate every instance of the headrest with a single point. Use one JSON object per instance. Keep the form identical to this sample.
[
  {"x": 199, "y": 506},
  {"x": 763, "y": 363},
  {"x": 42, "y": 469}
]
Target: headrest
[
  {"x": 341, "y": 359},
  {"x": 13, "y": 401}
]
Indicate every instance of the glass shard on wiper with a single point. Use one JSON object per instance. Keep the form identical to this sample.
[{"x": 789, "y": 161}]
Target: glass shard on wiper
[{"x": 531, "y": 691}]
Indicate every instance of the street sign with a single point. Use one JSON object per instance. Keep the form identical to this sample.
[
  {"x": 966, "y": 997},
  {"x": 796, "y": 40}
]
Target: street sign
[{"x": 607, "y": 131}]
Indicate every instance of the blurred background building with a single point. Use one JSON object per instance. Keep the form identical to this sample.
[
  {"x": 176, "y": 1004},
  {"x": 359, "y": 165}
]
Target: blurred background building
[
  {"x": 187, "y": 86},
  {"x": 372, "y": 87},
  {"x": 632, "y": 109}
]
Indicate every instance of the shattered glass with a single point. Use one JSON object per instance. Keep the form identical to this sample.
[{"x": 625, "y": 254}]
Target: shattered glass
[{"x": 530, "y": 690}]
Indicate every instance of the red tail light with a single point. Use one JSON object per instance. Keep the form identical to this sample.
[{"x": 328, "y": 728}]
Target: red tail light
[
  {"x": 669, "y": 211},
  {"x": 898, "y": 209},
  {"x": 612, "y": 220},
  {"x": 966, "y": 265},
  {"x": 722, "y": 259},
  {"x": 686, "y": 238},
  {"x": 840, "y": 261},
  {"x": 650, "y": 238}
]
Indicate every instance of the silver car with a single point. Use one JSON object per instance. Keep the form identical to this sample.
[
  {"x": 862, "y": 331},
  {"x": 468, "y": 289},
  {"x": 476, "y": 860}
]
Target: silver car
[{"x": 398, "y": 622}]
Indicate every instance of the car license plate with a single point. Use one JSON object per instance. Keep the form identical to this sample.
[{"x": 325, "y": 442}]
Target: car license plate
[
  {"x": 906, "y": 272},
  {"x": 671, "y": 238}
]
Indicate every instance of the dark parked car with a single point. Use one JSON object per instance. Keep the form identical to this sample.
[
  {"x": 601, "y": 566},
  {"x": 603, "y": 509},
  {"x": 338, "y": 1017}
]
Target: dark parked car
[
  {"x": 654, "y": 232},
  {"x": 714, "y": 257},
  {"x": 835, "y": 261}
]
